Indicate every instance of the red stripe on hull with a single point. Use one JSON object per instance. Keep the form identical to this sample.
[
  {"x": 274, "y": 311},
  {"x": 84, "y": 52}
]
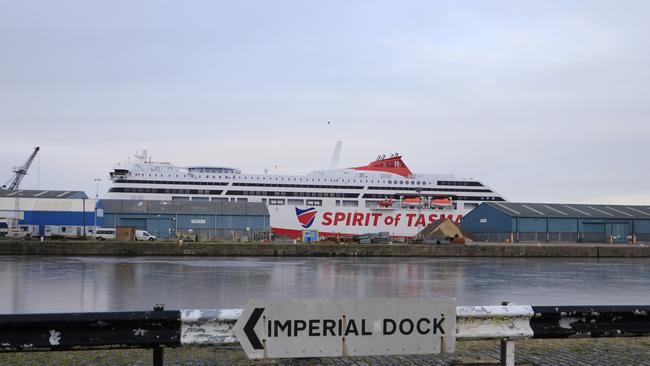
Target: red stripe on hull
[{"x": 297, "y": 234}]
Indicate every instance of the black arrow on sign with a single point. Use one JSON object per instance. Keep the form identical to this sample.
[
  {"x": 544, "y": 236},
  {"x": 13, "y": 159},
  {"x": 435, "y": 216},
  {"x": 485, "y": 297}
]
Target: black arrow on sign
[{"x": 250, "y": 332}]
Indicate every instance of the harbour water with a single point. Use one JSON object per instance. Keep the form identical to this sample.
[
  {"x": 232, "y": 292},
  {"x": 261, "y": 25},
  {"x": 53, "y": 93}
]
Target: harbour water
[{"x": 31, "y": 284}]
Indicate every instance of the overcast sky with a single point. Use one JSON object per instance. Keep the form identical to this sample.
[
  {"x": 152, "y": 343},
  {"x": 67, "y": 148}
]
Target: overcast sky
[{"x": 544, "y": 101}]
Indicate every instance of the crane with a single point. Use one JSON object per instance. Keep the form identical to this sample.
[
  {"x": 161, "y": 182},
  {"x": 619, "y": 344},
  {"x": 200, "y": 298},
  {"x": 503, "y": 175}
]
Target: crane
[{"x": 20, "y": 172}]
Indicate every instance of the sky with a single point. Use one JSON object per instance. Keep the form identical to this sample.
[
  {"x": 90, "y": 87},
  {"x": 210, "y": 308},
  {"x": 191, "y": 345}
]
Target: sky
[{"x": 544, "y": 101}]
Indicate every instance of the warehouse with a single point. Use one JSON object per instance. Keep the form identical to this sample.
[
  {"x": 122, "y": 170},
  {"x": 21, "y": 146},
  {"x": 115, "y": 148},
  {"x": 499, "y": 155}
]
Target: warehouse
[
  {"x": 50, "y": 213},
  {"x": 545, "y": 222},
  {"x": 200, "y": 220}
]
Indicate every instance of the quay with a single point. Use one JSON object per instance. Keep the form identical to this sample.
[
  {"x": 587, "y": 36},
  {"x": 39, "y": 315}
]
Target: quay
[
  {"x": 229, "y": 249},
  {"x": 540, "y": 352}
]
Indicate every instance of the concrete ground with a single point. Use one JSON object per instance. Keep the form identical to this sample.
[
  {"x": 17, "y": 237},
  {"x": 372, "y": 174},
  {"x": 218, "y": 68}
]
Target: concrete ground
[{"x": 589, "y": 351}]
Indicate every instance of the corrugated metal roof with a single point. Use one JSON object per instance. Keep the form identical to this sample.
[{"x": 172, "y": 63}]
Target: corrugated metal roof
[
  {"x": 572, "y": 210},
  {"x": 185, "y": 207},
  {"x": 28, "y": 193}
]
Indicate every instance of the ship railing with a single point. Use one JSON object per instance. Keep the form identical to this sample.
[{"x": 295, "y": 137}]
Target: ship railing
[{"x": 159, "y": 329}]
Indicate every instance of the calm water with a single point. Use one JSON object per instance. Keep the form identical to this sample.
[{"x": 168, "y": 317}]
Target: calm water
[{"x": 65, "y": 284}]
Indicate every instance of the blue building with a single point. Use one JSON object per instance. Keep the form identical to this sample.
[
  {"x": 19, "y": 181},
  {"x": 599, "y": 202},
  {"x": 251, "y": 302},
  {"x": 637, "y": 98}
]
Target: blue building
[
  {"x": 205, "y": 220},
  {"x": 40, "y": 212},
  {"x": 546, "y": 222}
]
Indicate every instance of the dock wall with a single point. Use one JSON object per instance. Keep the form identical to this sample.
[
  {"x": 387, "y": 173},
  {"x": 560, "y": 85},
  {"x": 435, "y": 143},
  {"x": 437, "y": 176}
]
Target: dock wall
[{"x": 111, "y": 248}]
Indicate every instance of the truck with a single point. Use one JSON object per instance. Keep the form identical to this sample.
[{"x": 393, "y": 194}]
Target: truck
[{"x": 144, "y": 235}]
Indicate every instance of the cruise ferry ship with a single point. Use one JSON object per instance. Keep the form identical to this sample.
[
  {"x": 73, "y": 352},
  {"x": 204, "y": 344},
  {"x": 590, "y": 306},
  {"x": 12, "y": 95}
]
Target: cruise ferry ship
[{"x": 382, "y": 196}]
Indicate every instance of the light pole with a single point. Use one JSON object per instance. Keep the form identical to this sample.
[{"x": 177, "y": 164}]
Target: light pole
[
  {"x": 418, "y": 190},
  {"x": 97, "y": 180}
]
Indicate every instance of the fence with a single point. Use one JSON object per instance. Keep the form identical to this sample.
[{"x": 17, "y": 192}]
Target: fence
[
  {"x": 492, "y": 237},
  {"x": 175, "y": 328},
  {"x": 224, "y": 234},
  {"x": 536, "y": 237}
]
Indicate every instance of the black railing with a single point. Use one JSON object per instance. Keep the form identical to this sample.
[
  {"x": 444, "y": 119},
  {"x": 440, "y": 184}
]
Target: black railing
[
  {"x": 590, "y": 321},
  {"x": 159, "y": 329}
]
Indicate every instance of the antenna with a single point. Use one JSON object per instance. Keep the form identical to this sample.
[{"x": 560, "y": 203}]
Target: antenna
[{"x": 335, "y": 156}]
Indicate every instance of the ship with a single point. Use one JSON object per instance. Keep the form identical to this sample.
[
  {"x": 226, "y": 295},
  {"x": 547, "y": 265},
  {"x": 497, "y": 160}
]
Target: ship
[{"x": 383, "y": 196}]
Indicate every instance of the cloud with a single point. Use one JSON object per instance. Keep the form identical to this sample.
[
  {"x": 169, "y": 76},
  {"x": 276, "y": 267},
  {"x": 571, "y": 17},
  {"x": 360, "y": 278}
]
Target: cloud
[{"x": 542, "y": 101}]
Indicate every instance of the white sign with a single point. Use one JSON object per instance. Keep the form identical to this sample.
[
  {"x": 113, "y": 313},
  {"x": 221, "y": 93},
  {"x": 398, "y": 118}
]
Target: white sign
[
  {"x": 482, "y": 221},
  {"x": 276, "y": 328},
  {"x": 198, "y": 221}
]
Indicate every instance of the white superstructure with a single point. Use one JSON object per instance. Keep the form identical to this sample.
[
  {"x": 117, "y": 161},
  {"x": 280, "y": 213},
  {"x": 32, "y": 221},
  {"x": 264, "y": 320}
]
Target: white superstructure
[{"x": 383, "y": 196}]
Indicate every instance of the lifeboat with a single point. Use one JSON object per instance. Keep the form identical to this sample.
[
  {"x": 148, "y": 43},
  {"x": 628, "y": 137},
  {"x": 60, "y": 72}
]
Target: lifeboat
[
  {"x": 412, "y": 202},
  {"x": 441, "y": 202}
]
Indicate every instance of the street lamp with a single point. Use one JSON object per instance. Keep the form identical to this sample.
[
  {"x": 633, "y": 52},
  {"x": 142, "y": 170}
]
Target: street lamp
[
  {"x": 97, "y": 180},
  {"x": 418, "y": 190}
]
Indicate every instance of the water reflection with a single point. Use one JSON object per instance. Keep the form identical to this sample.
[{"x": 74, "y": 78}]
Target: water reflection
[{"x": 64, "y": 284}]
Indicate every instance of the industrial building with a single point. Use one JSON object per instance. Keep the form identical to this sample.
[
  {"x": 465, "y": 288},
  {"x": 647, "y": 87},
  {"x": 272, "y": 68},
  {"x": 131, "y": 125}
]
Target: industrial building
[
  {"x": 202, "y": 220},
  {"x": 50, "y": 213},
  {"x": 545, "y": 222}
]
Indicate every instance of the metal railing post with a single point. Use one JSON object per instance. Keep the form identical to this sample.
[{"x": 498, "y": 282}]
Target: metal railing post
[
  {"x": 158, "y": 351},
  {"x": 507, "y": 353},
  {"x": 507, "y": 348}
]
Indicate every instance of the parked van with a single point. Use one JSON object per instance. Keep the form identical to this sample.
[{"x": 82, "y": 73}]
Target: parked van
[
  {"x": 143, "y": 235},
  {"x": 104, "y": 233}
]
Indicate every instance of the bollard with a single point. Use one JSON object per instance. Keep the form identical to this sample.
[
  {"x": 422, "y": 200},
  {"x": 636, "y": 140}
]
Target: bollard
[{"x": 158, "y": 352}]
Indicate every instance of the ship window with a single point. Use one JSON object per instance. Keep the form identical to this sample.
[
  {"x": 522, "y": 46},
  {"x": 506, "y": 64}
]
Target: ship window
[
  {"x": 390, "y": 182},
  {"x": 314, "y": 202}
]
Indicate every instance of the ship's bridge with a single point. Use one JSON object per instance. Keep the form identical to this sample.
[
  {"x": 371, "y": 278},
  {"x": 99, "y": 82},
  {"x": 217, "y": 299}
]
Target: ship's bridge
[{"x": 213, "y": 169}]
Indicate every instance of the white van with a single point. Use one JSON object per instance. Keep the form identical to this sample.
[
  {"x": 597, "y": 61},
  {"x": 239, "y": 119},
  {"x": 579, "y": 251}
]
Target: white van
[
  {"x": 105, "y": 233},
  {"x": 143, "y": 235}
]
